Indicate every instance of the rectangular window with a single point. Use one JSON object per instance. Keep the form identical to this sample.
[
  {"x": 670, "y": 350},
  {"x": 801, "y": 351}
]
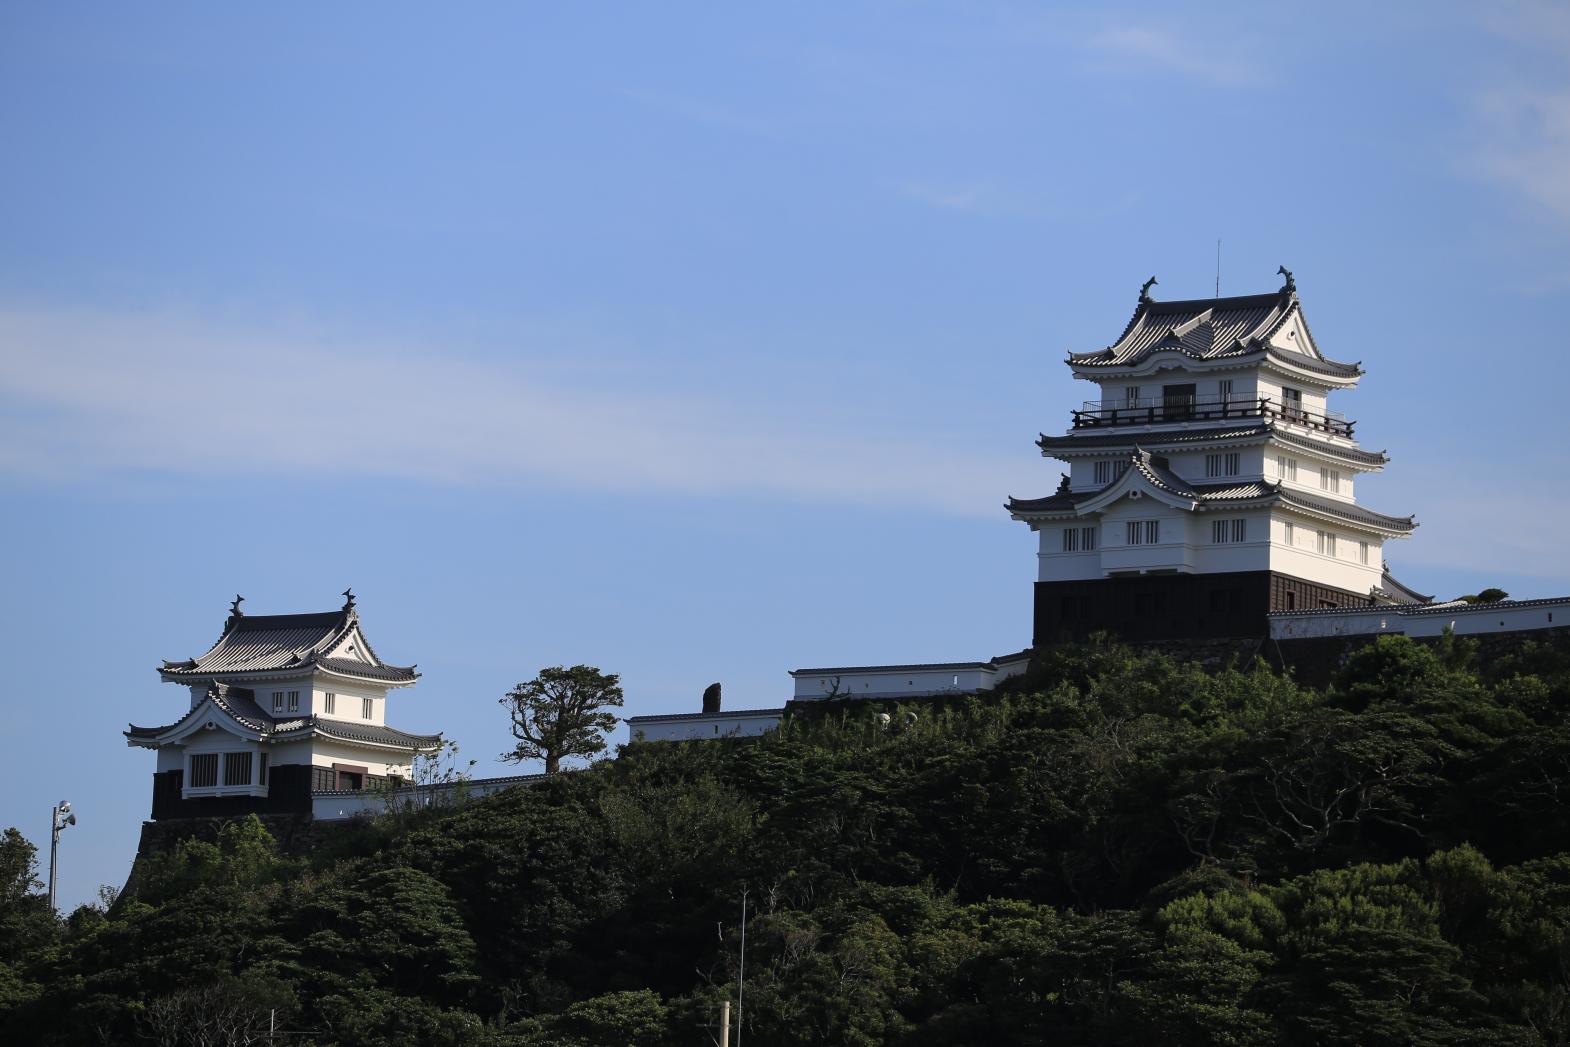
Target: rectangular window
[
  {"x": 1106, "y": 472},
  {"x": 1144, "y": 532},
  {"x": 1087, "y": 539},
  {"x": 204, "y": 771},
  {"x": 237, "y": 768},
  {"x": 1327, "y": 543},
  {"x": 294, "y": 701},
  {"x": 1362, "y": 552},
  {"x": 1292, "y": 402},
  {"x": 1221, "y": 464},
  {"x": 1071, "y": 539},
  {"x": 365, "y": 708},
  {"x": 1131, "y": 396},
  {"x": 261, "y": 766},
  {"x": 330, "y": 702},
  {"x": 277, "y": 701},
  {"x": 1330, "y": 479},
  {"x": 1291, "y": 538},
  {"x": 1222, "y": 531},
  {"x": 1225, "y": 388},
  {"x": 1177, "y": 402},
  {"x": 1286, "y": 468}
]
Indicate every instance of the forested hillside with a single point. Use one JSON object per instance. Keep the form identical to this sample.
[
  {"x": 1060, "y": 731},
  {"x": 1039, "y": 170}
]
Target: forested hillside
[{"x": 1121, "y": 849}]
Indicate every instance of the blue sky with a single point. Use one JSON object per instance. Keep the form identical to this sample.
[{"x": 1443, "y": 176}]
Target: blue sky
[{"x": 700, "y": 342}]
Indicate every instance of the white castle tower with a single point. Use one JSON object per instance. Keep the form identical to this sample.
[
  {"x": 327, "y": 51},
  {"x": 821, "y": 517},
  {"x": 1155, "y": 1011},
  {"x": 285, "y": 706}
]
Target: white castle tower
[
  {"x": 1209, "y": 483},
  {"x": 282, "y": 707}
]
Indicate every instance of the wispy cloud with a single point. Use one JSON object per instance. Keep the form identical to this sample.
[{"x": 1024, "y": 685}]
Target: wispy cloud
[
  {"x": 989, "y": 199},
  {"x": 1153, "y": 49},
  {"x": 92, "y": 395},
  {"x": 1522, "y": 119}
]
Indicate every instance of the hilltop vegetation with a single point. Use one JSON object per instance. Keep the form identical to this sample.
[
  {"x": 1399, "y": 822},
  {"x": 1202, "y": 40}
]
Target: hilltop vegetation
[{"x": 1120, "y": 849}]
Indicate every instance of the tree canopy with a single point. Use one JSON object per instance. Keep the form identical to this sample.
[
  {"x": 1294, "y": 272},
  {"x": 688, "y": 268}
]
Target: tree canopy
[
  {"x": 1117, "y": 849},
  {"x": 561, "y": 713}
]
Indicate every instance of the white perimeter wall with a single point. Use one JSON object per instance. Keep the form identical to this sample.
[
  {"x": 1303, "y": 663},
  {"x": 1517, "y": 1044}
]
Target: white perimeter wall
[
  {"x": 700, "y": 727},
  {"x": 1465, "y": 619}
]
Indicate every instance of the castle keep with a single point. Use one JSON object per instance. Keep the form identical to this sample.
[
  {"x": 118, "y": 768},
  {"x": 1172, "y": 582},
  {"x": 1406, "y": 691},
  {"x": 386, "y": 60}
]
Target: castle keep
[{"x": 1209, "y": 482}]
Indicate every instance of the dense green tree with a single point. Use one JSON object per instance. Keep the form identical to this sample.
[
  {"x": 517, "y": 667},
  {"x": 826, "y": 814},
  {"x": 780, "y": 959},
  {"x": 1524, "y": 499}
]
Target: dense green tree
[
  {"x": 1118, "y": 848},
  {"x": 561, "y": 713}
]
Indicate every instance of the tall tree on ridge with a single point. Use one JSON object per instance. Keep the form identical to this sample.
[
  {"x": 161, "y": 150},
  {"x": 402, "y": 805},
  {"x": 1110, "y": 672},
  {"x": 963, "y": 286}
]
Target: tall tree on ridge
[{"x": 562, "y": 712}]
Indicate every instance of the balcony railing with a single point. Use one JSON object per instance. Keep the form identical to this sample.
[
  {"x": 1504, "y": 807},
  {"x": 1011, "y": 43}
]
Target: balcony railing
[{"x": 1160, "y": 410}]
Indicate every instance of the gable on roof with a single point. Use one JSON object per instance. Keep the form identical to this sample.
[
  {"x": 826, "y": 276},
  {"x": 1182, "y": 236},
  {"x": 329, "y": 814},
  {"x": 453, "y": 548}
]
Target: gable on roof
[
  {"x": 279, "y": 643},
  {"x": 1216, "y": 329},
  {"x": 1147, "y": 475}
]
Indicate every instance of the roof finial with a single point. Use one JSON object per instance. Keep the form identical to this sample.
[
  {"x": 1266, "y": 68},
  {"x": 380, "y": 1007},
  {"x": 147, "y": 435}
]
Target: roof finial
[
  {"x": 1144, "y": 290},
  {"x": 1290, "y": 287},
  {"x": 234, "y": 608},
  {"x": 348, "y": 599}
]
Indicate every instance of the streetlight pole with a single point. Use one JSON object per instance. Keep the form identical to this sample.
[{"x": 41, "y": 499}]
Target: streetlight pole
[{"x": 60, "y": 817}]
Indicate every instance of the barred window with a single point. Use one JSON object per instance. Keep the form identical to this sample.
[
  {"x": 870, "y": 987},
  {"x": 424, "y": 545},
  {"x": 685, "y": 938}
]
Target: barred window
[
  {"x": 1222, "y": 531},
  {"x": 1143, "y": 532},
  {"x": 294, "y": 701},
  {"x": 1071, "y": 539},
  {"x": 1221, "y": 464},
  {"x": 1107, "y": 471},
  {"x": 365, "y": 708},
  {"x": 1286, "y": 468},
  {"x": 1330, "y": 479},
  {"x": 237, "y": 768},
  {"x": 204, "y": 771},
  {"x": 1087, "y": 539},
  {"x": 277, "y": 701},
  {"x": 1327, "y": 543},
  {"x": 330, "y": 702},
  {"x": 1362, "y": 552},
  {"x": 1291, "y": 536}
]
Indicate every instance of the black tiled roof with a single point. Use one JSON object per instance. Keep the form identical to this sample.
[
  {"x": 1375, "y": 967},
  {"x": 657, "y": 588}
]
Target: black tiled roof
[
  {"x": 1155, "y": 470},
  {"x": 1401, "y": 593},
  {"x": 376, "y": 734},
  {"x": 1347, "y": 511},
  {"x": 1125, "y": 441},
  {"x": 350, "y": 667},
  {"x": 1210, "y": 329},
  {"x": 240, "y": 703},
  {"x": 282, "y": 642}
]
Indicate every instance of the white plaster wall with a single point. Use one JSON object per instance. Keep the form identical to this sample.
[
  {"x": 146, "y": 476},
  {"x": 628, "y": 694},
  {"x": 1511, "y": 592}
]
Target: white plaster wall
[
  {"x": 1303, "y": 560},
  {"x": 1466, "y": 620},
  {"x": 1174, "y": 551},
  {"x": 171, "y": 758},
  {"x": 876, "y": 682},
  {"x": 1206, "y": 385},
  {"x": 348, "y": 701},
  {"x": 265, "y": 689},
  {"x": 1054, "y": 565},
  {"x": 1215, "y": 558},
  {"x": 325, "y": 753},
  {"x": 289, "y": 753},
  {"x": 1314, "y": 396},
  {"x": 698, "y": 728}
]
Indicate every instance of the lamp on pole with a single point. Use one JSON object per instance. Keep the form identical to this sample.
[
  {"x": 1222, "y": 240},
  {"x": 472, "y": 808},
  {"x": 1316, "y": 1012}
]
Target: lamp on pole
[{"x": 60, "y": 817}]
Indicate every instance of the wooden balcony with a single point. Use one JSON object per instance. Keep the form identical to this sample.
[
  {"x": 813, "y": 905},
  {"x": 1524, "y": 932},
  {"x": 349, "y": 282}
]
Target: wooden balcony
[{"x": 1096, "y": 414}]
